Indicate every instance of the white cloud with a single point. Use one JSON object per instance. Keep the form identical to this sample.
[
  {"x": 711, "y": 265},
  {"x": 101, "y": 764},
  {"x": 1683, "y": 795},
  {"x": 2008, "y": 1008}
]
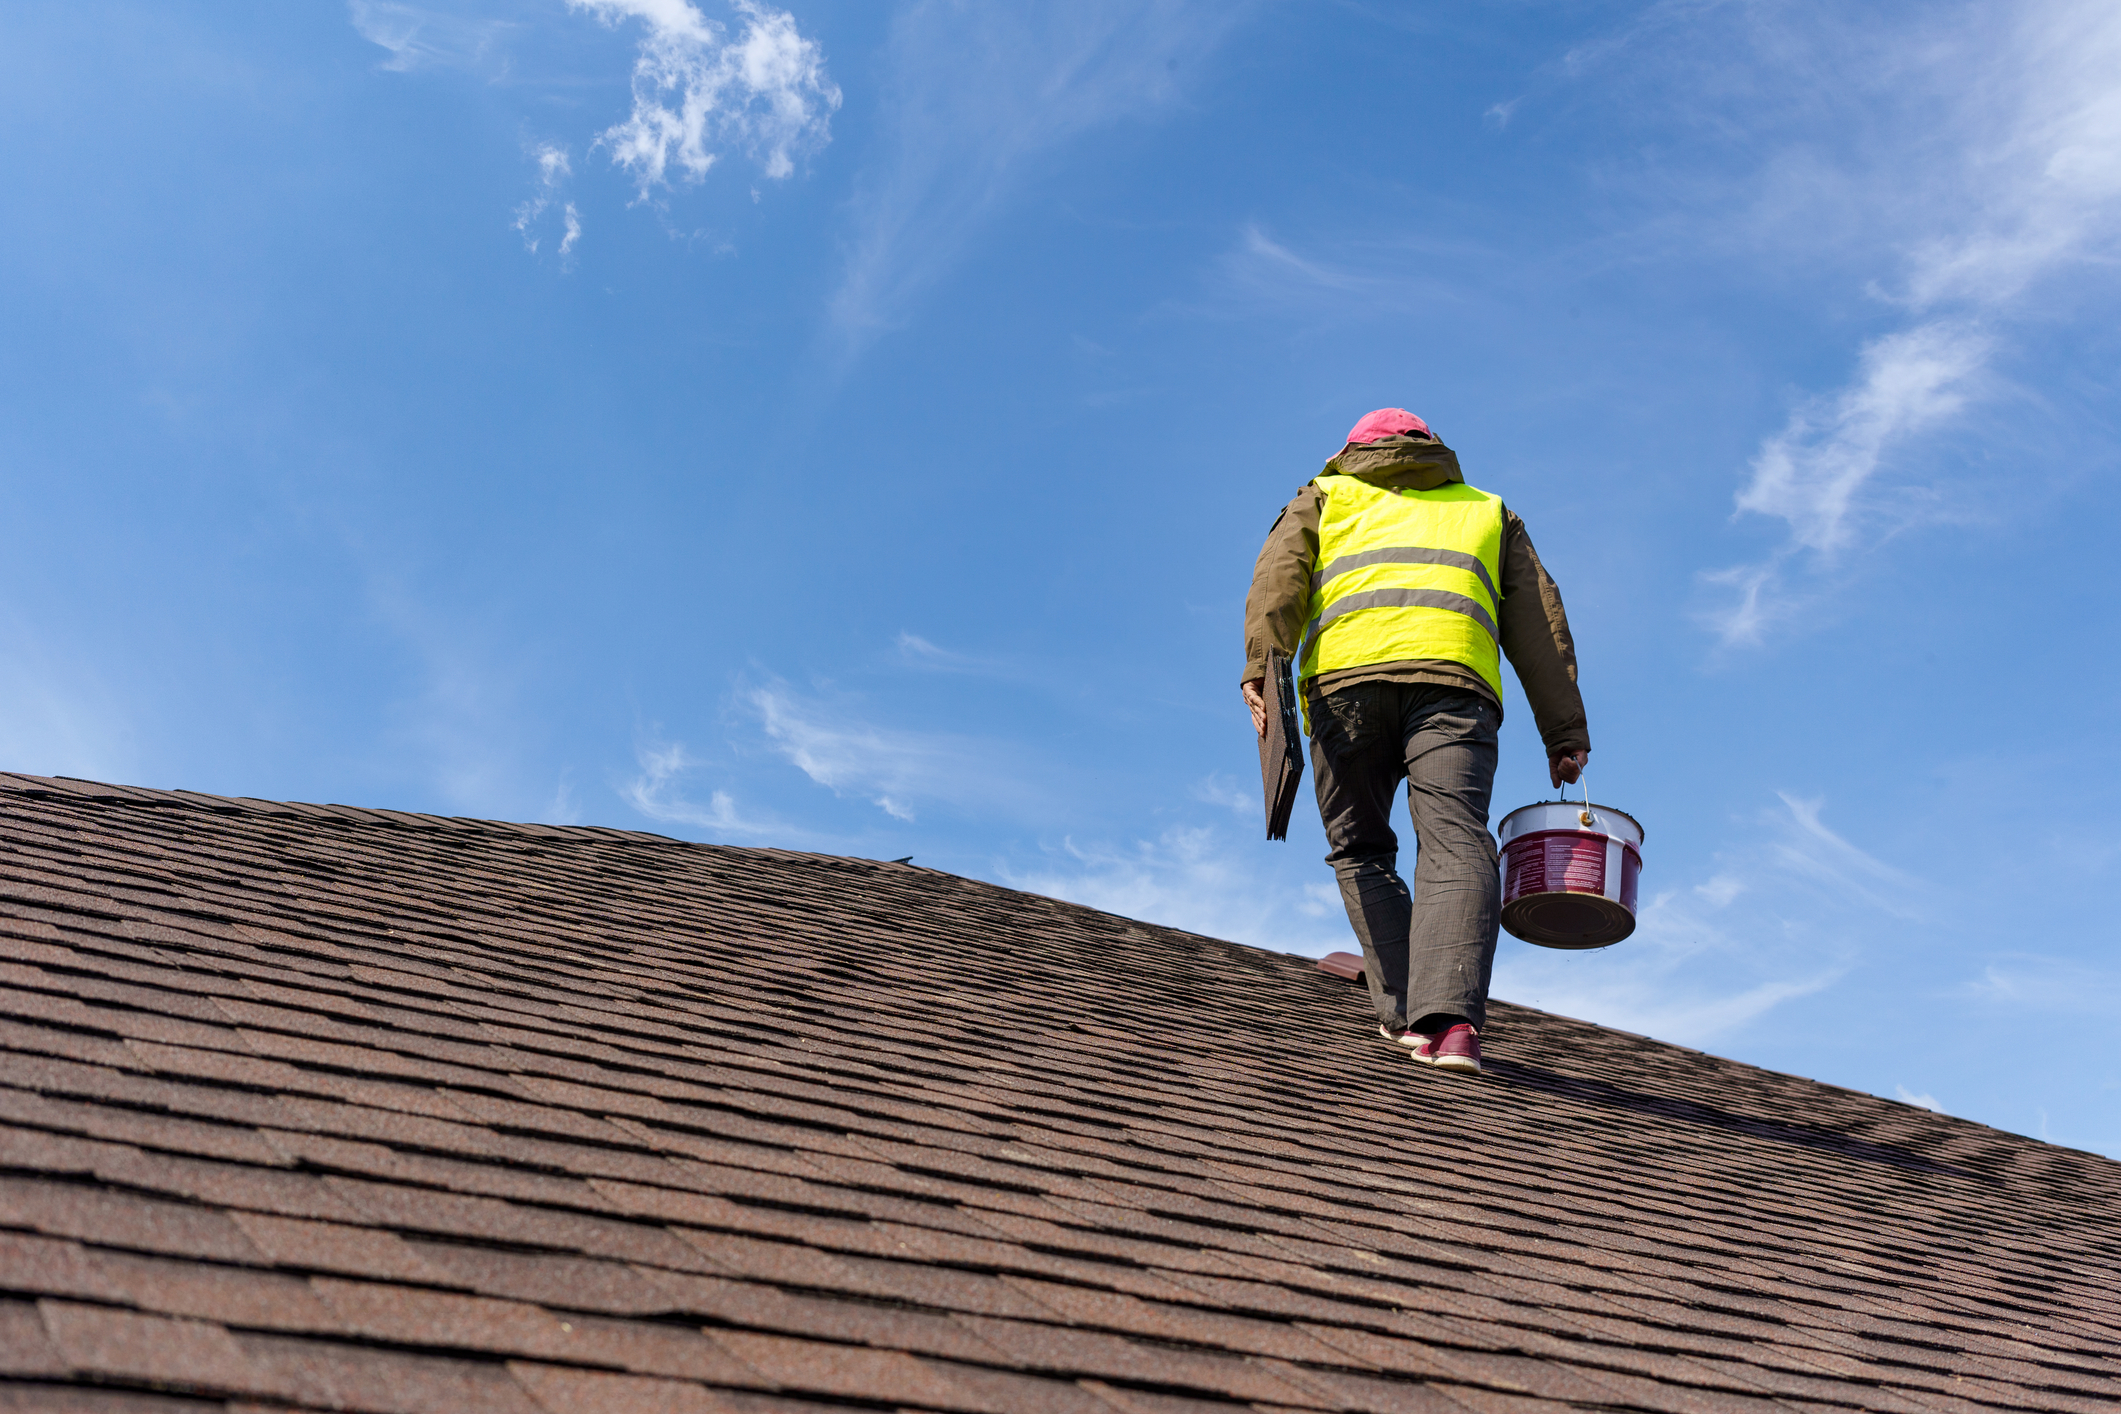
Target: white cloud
[
  {"x": 1721, "y": 889},
  {"x": 913, "y": 646},
  {"x": 657, "y": 793},
  {"x": 1320, "y": 900},
  {"x": 422, "y": 37},
  {"x": 2023, "y": 982},
  {"x": 1813, "y": 472},
  {"x": 563, "y": 808},
  {"x": 697, "y": 93},
  {"x": 2028, "y": 186},
  {"x": 1198, "y": 878},
  {"x": 1909, "y": 1097},
  {"x": 459, "y": 727},
  {"x": 1680, "y": 977},
  {"x": 896, "y": 769},
  {"x": 59, "y": 718},
  {"x": 1810, "y": 472},
  {"x": 2048, "y": 181},
  {"x": 917, "y": 652},
  {"x": 695, "y": 90},
  {"x": 1258, "y": 245},
  {"x": 1811, "y": 851},
  {"x": 1356, "y": 277},
  {"x": 1216, "y": 788},
  {"x": 1697, "y": 968},
  {"x": 554, "y": 169},
  {"x": 1701, "y": 965},
  {"x": 978, "y": 92}
]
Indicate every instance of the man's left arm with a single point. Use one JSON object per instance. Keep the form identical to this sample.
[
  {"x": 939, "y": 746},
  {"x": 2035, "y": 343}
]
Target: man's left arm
[{"x": 1535, "y": 636}]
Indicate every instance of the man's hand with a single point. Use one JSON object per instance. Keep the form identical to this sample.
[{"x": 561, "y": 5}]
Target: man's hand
[
  {"x": 1256, "y": 699},
  {"x": 1568, "y": 767}
]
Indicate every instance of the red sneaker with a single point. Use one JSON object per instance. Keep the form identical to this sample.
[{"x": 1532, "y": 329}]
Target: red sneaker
[
  {"x": 1457, "y": 1049},
  {"x": 1420, "y": 1043}
]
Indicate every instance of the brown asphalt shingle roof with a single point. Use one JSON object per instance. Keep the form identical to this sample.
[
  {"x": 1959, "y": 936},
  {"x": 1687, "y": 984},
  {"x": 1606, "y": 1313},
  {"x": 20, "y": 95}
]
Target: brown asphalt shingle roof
[{"x": 314, "y": 1107}]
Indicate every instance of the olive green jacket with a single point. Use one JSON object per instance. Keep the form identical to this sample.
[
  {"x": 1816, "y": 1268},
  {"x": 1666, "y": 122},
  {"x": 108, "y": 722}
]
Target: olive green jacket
[{"x": 1535, "y": 627}]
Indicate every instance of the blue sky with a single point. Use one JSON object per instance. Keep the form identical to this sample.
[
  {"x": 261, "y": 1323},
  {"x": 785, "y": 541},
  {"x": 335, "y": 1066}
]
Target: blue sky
[{"x": 849, "y": 428}]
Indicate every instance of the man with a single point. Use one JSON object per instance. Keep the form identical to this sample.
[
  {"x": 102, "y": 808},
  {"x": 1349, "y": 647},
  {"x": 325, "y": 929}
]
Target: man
[{"x": 1397, "y": 588}]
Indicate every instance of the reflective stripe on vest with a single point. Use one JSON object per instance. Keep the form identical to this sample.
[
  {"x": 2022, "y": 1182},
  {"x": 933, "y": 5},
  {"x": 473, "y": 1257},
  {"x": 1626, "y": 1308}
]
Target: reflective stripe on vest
[{"x": 1405, "y": 574}]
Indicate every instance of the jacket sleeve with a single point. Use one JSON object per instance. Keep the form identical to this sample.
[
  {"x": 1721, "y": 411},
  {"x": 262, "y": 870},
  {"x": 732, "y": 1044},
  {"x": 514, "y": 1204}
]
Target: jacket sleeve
[
  {"x": 1535, "y": 636},
  {"x": 1281, "y": 583}
]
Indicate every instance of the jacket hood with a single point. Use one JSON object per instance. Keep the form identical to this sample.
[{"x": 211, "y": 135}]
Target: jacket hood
[{"x": 1419, "y": 462}]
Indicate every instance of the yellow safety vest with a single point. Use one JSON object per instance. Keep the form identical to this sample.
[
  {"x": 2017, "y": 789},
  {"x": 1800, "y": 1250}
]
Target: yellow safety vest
[{"x": 1405, "y": 574}]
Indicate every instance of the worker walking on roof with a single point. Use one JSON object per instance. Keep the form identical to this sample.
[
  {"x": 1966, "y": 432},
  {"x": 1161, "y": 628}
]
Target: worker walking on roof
[{"x": 1397, "y": 588}]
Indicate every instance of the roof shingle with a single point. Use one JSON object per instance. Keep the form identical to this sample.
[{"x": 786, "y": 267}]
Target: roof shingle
[{"x": 325, "y": 1108}]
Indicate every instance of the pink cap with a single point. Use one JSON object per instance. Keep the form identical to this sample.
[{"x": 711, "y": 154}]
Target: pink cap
[{"x": 1388, "y": 422}]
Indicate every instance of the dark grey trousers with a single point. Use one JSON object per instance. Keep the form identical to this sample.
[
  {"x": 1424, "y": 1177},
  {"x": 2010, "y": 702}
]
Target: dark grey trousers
[{"x": 1429, "y": 954}]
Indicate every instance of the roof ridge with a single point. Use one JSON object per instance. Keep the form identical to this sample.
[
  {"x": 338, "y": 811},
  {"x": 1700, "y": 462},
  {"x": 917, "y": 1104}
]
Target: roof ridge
[
  {"x": 79, "y": 788},
  {"x": 1963, "y": 1129}
]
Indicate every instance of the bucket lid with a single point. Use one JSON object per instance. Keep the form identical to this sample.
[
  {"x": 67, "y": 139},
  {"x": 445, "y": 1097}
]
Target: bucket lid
[{"x": 1575, "y": 808}]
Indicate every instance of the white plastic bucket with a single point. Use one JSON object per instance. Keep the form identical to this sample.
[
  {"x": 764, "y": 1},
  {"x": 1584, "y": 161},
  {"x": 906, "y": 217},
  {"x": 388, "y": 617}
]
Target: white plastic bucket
[{"x": 1570, "y": 871}]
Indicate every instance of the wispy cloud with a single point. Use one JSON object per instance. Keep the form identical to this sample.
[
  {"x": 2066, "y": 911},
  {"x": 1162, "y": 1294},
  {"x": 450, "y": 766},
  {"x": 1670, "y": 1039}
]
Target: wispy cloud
[
  {"x": 1812, "y": 473},
  {"x": 58, "y": 717},
  {"x": 553, "y": 171},
  {"x": 831, "y": 741},
  {"x": 695, "y": 90},
  {"x": 1361, "y": 277},
  {"x": 658, "y": 792},
  {"x": 923, "y": 655},
  {"x": 1654, "y": 991},
  {"x": 1782, "y": 917},
  {"x": 699, "y": 93},
  {"x": 977, "y": 93},
  {"x": 1200, "y": 878},
  {"x": 1808, "y": 850},
  {"x": 1227, "y": 792},
  {"x": 2028, "y": 187},
  {"x": 917, "y": 652},
  {"x": 423, "y": 37},
  {"x": 1259, "y": 247},
  {"x": 2028, "y": 982},
  {"x": 458, "y": 726},
  {"x": 563, "y": 808},
  {"x": 1924, "y": 1101}
]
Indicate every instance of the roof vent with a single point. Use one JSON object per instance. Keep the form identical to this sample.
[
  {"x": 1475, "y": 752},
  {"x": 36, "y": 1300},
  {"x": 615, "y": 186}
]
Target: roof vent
[{"x": 1344, "y": 965}]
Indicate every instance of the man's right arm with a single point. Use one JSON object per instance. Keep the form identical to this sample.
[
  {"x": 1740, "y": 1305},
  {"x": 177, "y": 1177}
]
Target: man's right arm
[
  {"x": 1281, "y": 584},
  {"x": 1280, "y": 593}
]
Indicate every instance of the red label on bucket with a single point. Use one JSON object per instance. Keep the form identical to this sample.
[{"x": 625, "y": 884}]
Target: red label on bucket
[{"x": 1556, "y": 862}]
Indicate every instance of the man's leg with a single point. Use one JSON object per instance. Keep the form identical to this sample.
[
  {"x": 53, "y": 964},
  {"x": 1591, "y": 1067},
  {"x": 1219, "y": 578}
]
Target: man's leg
[
  {"x": 1450, "y": 766},
  {"x": 1356, "y": 763}
]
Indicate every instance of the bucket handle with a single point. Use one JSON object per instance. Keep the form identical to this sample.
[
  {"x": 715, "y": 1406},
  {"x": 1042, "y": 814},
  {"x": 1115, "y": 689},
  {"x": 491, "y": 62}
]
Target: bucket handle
[{"x": 1583, "y": 779}]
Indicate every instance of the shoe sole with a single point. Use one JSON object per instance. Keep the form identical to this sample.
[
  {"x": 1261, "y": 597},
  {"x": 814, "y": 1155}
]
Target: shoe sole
[{"x": 1464, "y": 1065}]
